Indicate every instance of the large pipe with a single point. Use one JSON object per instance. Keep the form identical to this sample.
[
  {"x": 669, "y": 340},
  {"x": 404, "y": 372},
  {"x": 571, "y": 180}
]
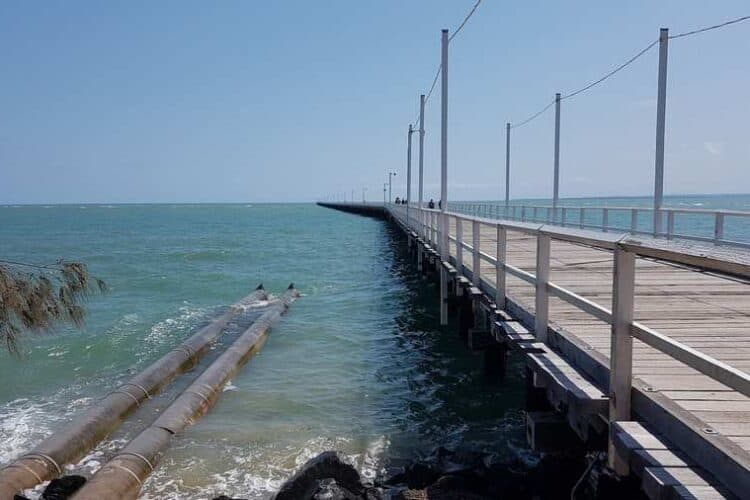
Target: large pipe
[
  {"x": 46, "y": 461},
  {"x": 123, "y": 476}
]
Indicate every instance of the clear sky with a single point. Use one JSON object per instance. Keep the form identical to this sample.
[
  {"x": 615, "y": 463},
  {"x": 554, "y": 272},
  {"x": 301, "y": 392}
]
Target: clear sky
[{"x": 186, "y": 101}]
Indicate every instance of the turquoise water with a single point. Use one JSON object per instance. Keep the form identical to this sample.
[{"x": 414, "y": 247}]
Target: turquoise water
[{"x": 358, "y": 364}]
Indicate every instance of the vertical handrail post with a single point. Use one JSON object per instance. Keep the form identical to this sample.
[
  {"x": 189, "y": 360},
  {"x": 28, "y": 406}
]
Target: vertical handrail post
[
  {"x": 500, "y": 253},
  {"x": 661, "y": 107},
  {"x": 542, "y": 279},
  {"x": 621, "y": 345},
  {"x": 634, "y": 220},
  {"x": 605, "y": 219},
  {"x": 582, "y": 218},
  {"x": 564, "y": 216},
  {"x": 670, "y": 224},
  {"x": 459, "y": 245},
  {"x": 556, "y": 186},
  {"x": 476, "y": 270},
  {"x": 718, "y": 228}
]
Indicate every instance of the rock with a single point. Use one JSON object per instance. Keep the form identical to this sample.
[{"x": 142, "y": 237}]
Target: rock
[
  {"x": 416, "y": 475},
  {"x": 19, "y": 497},
  {"x": 329, "y": 489},
  {"x": 63, "y": 488},
  {"x": 224, "y": 497},
  {"x": 328, "y": 465}
]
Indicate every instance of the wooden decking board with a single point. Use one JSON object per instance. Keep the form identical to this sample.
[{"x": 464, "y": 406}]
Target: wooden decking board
[{"x": 702, "y": 310}]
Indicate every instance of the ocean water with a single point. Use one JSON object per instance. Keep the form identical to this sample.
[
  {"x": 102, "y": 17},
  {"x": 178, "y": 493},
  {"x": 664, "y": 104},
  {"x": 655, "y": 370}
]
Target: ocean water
[{"x": 359, "y": 363}]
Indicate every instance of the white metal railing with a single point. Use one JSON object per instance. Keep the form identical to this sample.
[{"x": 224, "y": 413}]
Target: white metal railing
[
  {"x": 710, "y": 224},
  {"x": 620, "y": 317}
]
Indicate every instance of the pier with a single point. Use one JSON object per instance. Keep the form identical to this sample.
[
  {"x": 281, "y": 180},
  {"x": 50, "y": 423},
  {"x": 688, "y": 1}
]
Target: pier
[{"x": 636, "y": 344}]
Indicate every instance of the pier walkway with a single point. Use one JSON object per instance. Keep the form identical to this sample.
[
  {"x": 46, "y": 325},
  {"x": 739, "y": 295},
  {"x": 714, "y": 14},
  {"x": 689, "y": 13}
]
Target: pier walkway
[{"x": 660, "y": 328}]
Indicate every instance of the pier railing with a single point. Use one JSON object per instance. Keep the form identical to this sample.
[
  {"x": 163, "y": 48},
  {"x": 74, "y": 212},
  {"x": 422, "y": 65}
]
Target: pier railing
[
  {"x": 620, "y": 317},
  {"x": 684, "y": 223}
]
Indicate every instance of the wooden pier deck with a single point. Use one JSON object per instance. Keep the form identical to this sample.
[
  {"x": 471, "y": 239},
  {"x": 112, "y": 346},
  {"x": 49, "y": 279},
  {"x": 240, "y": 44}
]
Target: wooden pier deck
[{"x": 704, "y": 316}]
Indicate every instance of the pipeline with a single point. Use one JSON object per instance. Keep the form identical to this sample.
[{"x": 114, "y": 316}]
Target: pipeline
[
  {"x": 46, "y": 461},
  {"x": 123, "y": 476}
]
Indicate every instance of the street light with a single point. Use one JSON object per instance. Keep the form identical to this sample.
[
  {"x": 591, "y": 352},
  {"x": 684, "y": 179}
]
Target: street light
[
  {"x": 391, "y": 175},
  {"x": 385, "y": 187},
  {"x": 363, "y": 194}
]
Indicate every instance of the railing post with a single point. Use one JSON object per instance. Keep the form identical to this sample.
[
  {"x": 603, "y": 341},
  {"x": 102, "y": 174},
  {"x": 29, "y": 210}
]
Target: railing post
[
  {"x": 605, "y": 219},
  {"x": 661, "y": 107},
  {"x": 634, "y": 220},
  {"x": 542, "y": 294},
  {"x": 581, "y": 218},
  {"x": 500, "y": 267},
  {"x": 670, "y": 224},
  {"x": 718, "y": 228},
  {"x": 420, "y": 226},
  {"x": 476, "y": 262},
  {"x": 459, "y": 245},
  {"x": 621, "y": 345},
  {"x": 564, "y": 216}
]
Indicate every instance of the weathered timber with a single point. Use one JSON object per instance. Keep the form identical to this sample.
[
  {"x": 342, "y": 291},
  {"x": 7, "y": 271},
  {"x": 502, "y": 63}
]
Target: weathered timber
[{"x": 47, "y": 459}]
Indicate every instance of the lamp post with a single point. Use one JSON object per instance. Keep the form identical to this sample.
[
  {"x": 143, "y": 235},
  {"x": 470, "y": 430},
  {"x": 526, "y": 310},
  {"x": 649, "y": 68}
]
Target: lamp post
[
  {"x": 391, "y": 175},
  {"x": 363, "y": 194},
  {"x": 385, "y": 187}
]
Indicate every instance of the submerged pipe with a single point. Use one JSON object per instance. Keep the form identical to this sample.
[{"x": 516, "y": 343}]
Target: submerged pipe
[
  {"x": 123, "y": 476},
  {"x": 47, "y": 460}
]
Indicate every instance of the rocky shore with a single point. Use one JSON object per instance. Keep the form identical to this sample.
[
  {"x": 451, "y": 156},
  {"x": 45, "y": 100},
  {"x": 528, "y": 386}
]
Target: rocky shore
[
  {"x": 456, "y": 475},
  {"x": 443, "y": 475}
]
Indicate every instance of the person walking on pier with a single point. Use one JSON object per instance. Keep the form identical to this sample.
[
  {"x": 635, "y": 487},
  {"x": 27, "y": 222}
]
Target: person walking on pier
[{"x": 431, "y": 204}]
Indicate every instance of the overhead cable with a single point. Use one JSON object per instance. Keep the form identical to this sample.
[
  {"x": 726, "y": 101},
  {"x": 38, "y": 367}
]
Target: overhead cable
[{"x": 709, "y": 28}]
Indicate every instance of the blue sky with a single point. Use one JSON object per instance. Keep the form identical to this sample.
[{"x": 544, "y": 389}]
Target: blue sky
[{"x": 183, "y": 101}]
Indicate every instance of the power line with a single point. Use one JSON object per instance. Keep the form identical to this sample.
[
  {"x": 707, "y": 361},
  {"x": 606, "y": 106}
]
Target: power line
[
  {"x": 538, "y": 113},
  {"x": 709, "y": 28},
  {"x": 456, "y": 32},
  {"x": 434, "y": 82},
  {"x": 466, "y": 19},
  {"x": 611, "y": 73}
]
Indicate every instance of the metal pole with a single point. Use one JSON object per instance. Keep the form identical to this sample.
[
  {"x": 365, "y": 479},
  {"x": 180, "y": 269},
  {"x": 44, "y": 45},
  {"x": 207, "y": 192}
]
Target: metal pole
[
  {"x": 507, "y": 166},
  {"x": 556, "y": 189},
  {"x": 408, "y": 175},
  {"x": 390, "y": 186},
  {"x": 444, "y": 176},
  {"x": 384, "y": 188},
  {"x": 661, "y": 107},
  {"x": 421, "y": 154}
]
